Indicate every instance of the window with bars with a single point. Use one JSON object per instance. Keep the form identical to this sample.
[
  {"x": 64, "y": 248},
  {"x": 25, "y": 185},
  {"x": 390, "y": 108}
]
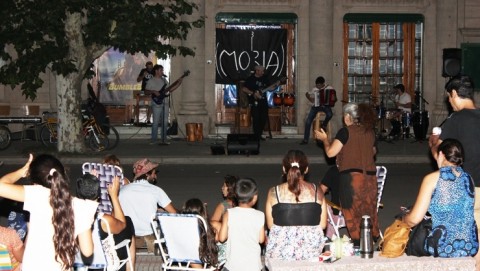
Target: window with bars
[{"x": 380, "y": 54}]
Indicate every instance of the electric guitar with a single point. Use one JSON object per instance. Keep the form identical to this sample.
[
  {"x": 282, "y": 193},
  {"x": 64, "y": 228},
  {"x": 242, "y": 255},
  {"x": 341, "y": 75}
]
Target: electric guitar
[
  {"x": 269, "y": 88},
  {"x": 165, "y": 91}
]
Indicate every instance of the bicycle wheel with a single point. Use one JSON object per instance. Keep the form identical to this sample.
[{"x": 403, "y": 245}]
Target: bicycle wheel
[
  {"x": 98, "y": 142},
  {"x": 48, "y": 134},
  {"x": 112, "y": 134},
  {"x": 5, "y": 137}
]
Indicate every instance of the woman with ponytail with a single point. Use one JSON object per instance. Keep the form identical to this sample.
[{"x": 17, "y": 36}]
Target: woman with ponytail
[
  {"x": 295, "y": 213},
  {"x": 59, "y": 223}
]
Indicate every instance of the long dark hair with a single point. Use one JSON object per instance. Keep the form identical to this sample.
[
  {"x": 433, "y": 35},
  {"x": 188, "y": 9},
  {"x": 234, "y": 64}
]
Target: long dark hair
[
  {"x": 208, "y": 249},
  {"x": 295, "y": 164},
  {"x": 48, "y": 171},
  {"x": 230, "y": 181}
]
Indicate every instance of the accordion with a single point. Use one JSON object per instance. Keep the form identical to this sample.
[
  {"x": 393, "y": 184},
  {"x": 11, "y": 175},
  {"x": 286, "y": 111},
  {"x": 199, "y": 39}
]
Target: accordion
[{"x": 326, "y": 97}]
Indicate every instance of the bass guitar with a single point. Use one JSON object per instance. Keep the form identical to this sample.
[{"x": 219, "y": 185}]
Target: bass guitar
[{"x": 165, "y": 91}]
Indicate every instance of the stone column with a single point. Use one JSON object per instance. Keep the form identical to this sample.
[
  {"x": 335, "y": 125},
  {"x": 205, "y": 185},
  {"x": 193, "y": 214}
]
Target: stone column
[{"x": 192, "y": 104}]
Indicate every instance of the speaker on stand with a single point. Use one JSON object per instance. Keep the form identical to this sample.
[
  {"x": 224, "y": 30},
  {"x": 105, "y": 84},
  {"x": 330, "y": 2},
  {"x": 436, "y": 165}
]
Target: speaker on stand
[{"x": 452, "y": 62}]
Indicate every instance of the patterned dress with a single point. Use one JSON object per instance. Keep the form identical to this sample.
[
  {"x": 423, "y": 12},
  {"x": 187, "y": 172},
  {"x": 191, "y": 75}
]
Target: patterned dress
[
  {"x": 296, "y": 233},
  {"x": 454, "y": 231}
]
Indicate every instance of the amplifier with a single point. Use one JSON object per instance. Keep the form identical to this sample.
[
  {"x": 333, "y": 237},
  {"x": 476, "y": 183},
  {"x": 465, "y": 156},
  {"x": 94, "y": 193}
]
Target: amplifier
[{"x": 243, "y": 144}]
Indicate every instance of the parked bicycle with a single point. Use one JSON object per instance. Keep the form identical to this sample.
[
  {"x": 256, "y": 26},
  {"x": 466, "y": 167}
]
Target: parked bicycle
[
  {"x": 5, "y": 137},
  {"x": 98, "y": 137}
]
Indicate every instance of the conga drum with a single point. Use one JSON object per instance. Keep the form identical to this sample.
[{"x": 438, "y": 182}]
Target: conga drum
[
  {"x": 277, "y": 99},
  {"x": 191, "y": 128},
  {"x": 288, "y": 99}
]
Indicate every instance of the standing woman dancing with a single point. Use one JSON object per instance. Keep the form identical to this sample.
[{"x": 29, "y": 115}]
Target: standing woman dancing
[
  {"x": 354, "y": 147},
  {"x": 57, "y": 218}
]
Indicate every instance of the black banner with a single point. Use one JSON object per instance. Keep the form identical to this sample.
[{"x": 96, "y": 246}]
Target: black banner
[{"x": 239, "y": 51}]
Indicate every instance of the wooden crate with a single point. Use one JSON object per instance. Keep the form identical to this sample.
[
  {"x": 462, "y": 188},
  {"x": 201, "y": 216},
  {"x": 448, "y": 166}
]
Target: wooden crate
[{"x": 116, "y": 114}]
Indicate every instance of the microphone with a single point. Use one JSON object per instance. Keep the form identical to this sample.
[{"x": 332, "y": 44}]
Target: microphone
[{"x": 164, "y": 75}]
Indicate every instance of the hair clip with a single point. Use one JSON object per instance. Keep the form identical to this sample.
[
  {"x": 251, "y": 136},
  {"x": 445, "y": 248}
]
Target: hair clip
[
  {"x": 294, "y": 164},
  {"x": 53, "y": 170}
]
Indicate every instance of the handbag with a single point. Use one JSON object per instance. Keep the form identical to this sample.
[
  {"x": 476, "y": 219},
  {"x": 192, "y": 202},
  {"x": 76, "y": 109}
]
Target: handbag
[
  {"x": 108, "y": 245},
  {"x": 418, "y": 235},
  {"x": 395, "y": 239}
]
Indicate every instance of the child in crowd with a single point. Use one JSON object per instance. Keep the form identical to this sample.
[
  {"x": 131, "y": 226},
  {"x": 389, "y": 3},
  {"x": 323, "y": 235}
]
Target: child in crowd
[
  {"x": 208, "y": 249},
  {"x": 229, "y": 201},
  {"x": 243, "y": 226},
  {"x": 10, "y": 239}
]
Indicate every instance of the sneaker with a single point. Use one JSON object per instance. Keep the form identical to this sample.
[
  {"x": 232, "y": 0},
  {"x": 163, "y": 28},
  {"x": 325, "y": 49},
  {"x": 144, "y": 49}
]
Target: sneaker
[
  {"x": 304, "y": 142},
  {"x": 153, "y": 142}
]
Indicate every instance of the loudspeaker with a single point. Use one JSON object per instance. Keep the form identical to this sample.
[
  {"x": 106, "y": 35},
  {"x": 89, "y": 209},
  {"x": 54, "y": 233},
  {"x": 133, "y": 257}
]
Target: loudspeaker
[
  {"x": 420, "y": 122},
  {"x": 243, "y": 144},
  {"x": 452, "y": 62}
]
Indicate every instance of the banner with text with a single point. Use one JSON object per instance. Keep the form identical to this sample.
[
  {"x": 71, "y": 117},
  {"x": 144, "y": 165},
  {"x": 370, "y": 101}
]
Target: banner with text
[{"x": 239, "y": 51}]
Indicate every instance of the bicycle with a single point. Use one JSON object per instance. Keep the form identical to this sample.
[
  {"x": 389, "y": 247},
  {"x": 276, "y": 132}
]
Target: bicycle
[
  {"x": 98, "y": 137},
  {"x": 5, "y": 137}
]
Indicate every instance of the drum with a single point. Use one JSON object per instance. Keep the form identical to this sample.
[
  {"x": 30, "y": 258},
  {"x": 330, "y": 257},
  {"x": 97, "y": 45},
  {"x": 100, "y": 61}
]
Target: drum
[
  {"x": 407, "y": 119},
  {"x": 420, "y": 120},
  {"x": 392, "y": 114},
  {"x": 288, "y": 99},
  {"x": 277, "y": 99}
]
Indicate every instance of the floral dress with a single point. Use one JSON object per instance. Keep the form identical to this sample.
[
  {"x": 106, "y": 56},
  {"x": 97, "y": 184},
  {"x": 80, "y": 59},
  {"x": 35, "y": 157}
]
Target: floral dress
[
  {"x": 454, "y": 231},
  {"x": 296, "y": 233}
]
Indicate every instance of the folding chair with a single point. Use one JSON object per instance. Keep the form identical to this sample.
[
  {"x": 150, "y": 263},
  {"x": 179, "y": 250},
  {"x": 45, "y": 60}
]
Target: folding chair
[
  {"x": 338, "y": 221},
  {"x": 100, "y": 259},
  {"x": 178, "y": 237},
  {"x": 106, "y": 173}
]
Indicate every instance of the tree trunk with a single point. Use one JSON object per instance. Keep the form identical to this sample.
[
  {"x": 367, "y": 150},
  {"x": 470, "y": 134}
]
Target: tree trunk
[{"x": 70, "y": 136}]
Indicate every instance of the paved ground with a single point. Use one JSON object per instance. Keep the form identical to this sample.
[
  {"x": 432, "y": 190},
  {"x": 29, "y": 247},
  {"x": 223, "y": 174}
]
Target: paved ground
[{"x": 179, "y": 151}]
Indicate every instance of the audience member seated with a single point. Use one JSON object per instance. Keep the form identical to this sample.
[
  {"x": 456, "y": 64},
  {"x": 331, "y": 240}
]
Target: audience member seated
[
  {"x": 449, "y": 195},
  {"x": 58, "y": 227},
  {"x": 140, "y": 200},
  {"x": 121, "y": 226},
  {"x": 244, "y": 228},
  {"x": 229, "y": 201},
  {"x": 10, "y": 239},
  {"x": 296, "y": 213},
  {"x": 208, "y": 249}
]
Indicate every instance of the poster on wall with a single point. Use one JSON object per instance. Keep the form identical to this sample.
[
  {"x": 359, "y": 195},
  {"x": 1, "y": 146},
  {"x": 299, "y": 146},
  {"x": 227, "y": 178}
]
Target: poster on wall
[
  {"x": 239, "y": 50},
  {"x": 117, "y": 76}
]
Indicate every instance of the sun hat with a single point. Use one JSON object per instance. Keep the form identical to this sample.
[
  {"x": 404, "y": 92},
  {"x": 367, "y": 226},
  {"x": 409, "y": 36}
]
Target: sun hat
[{"x": 143, "y": 166}]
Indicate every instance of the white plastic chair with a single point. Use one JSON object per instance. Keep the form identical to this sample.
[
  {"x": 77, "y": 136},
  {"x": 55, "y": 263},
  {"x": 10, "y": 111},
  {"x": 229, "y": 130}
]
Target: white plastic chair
[
  {"x": 100, "y": 261},
  {"x": 338, "y": 221},
  {"x": 178, "y": 238}
]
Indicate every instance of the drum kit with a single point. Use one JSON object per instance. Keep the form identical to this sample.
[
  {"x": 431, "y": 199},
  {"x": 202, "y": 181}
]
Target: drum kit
[{"x": 418, "y": 119}]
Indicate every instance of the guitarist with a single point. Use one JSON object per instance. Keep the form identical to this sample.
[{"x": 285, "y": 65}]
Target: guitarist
[
  {"x": 156, "y": 87},
  {"x": 255, "y": 87}
]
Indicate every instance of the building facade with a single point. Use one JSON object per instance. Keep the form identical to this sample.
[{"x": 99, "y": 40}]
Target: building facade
[{"x": 361, "y": 47}]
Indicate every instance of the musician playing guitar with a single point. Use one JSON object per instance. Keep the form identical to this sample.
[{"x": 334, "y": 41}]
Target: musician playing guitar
[
  {"x": 256, "y": 87},
  {"x": 157, "y": 87}
]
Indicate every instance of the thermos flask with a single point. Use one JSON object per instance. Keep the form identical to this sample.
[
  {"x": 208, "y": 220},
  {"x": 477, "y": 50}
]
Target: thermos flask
[{"x": 366, "y": 241}]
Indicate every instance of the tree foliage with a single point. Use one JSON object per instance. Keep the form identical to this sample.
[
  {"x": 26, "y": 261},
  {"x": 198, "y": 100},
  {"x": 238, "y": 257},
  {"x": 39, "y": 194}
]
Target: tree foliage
[{"x": 37, "y": 37}]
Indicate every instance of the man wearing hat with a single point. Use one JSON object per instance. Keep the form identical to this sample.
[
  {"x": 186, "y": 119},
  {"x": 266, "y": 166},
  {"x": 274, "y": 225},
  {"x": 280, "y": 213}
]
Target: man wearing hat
[{"x": 140, "y": 200}]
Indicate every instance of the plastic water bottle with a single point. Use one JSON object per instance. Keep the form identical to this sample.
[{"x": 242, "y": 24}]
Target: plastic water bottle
[{"x": 366, "y": 240}]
